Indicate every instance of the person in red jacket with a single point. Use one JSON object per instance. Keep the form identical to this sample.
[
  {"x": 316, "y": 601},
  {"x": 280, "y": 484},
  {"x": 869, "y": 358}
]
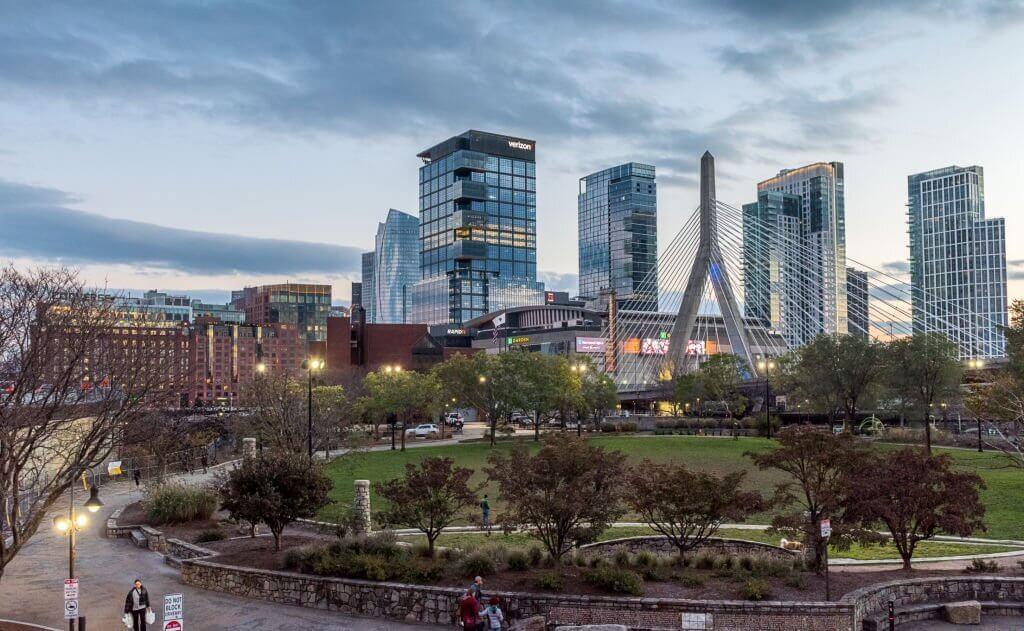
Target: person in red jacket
[{"x": 469, "y": 612}]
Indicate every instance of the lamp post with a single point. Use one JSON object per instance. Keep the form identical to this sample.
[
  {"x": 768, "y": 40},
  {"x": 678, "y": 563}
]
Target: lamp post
[
  {"x": 483, "y": 380},
  {"x": 74, "y": 523},
  {"x": 765, "y": 365},
  {"x": 310, "y": 365},
  {"x": 580, "y": 368}
]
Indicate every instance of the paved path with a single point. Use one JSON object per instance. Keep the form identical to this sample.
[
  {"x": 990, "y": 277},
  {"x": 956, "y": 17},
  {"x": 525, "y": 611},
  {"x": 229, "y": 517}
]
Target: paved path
[{"x": 32, "y": 591}]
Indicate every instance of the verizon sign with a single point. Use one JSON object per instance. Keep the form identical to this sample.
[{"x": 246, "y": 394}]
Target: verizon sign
[{"x": 519, "y": 144}]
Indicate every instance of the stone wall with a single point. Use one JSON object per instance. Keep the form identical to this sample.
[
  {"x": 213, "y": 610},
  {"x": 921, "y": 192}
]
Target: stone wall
[
  {"x": 417, "y": 603},
  {"x": 184, "y": 550},
  {"x": 872, "y": 602},
  {"x": 661, "y": 545}
]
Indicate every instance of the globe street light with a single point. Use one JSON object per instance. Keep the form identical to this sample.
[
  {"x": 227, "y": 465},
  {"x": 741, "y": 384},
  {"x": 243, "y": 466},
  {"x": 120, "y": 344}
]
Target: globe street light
[
  {"x": 765, "y": 366},
  {"x": 74, "y": 523},
  {"x": 309, "y": 365}
]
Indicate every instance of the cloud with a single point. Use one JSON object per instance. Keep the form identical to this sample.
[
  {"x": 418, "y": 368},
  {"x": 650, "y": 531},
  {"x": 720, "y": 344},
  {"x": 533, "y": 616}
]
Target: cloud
[
  {"x": 559, "y": 281},
  {"x": 38, "y": 224},
  {"x": 895, "y": 267},
  {"x": 1015, "y": 269}
]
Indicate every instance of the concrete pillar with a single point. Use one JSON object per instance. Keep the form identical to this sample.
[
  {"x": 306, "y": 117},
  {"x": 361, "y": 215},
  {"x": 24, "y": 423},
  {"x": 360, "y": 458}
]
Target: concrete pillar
[
  {"x": 361, "y": 508},
  {"x": 248, "y": 448}
]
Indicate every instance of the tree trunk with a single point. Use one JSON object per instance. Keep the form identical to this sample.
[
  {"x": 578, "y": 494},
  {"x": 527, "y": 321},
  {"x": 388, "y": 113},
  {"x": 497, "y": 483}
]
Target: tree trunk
[
  {"x": 928, "y": 434},
  {"x": 277, "y": 540},
  {"x": 536, "y": 426},
  {"x": 404, "y": 430}
]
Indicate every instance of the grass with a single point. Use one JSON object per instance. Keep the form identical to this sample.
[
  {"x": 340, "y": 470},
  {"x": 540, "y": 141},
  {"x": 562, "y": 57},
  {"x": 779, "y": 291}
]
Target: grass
[
  {"x": 467, "y": 540},
  {"x": 1005, "y": 484}
]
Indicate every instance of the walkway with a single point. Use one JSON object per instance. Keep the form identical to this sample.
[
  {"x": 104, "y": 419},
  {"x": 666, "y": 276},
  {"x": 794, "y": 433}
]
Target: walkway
[{"x": 32, "y": 586}]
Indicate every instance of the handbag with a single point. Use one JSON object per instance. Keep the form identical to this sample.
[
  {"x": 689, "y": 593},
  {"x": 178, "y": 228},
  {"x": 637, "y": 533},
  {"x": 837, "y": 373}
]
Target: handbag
[
  {"x": 150, "y": 616},
  {"x": 127, "y": 620}
]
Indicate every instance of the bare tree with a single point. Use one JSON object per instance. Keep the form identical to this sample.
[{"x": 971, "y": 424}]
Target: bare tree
[
  {"x": 74, "y": 370},
  {"x": 280, "y": 416}
]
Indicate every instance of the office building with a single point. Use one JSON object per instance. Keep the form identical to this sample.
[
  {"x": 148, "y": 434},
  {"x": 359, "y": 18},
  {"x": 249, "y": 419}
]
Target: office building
[
  {"x": 794, "y": 253},
  {"x": 304, "y": 305},
  {"x": 478, "y": 228},
  {"x": 618, "y": 235},
  {"x": 396, "y": 267},
  {"x": 957, "y": 261},
  {"x": 368, "y": 294},
  {"x": 857, "y": 312}
]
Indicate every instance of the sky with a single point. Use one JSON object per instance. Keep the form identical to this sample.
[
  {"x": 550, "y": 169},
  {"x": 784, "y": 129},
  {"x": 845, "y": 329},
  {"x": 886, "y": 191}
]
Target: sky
[{"x": 205, "y": 146}]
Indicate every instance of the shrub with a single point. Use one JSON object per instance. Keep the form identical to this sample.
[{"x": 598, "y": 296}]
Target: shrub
[
  {"x": 745, "y": 562},
  {"x": 370, "y": 567},
  {"x": 608, "y": 428},
  {"x": 628, "y": 426},
  {"x": 795, "y": 580},
  {"x": 622, "y": 558},
  {"x": 645, "y": 558},
  {"x": 770, "y": 567},
  {"x": 518, "y": 561},
  {"x": 422, "y": 550},
  {"x": 549, "y": 581},
  {"x": 178, "y": 503},
  {"x": 982, "y": 566},
  {"x": 536, "y": 555},
  {"x": 207, "y": 536},
  {"x": 705, "y": 562},
  {"x": 756, "y": 589},
  {"x": 299, "y": 558},
  {"x": 615, "y": 580},
  {"x": 691, "y": 580},
  {"x": 477, "y": 564}
]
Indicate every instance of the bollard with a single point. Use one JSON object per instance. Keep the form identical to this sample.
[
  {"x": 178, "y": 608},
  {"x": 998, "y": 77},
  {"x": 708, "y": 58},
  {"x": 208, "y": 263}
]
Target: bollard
[
  {"x": 361, "y": 507},
  {"x": 892, "y": 615},
  {"x": 248, "y": 448}
]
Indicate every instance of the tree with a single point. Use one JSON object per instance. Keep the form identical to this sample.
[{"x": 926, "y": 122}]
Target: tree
[
  {"x": 915, "y": 496},
  {"x": 687, "y": 506},
  {"x": 276, "y": 489},
  {"x": 818, "y": 463},
  {"x": 73, "y": 372},
  {"x": 924, "y": 368},
  {"x": 484, "y": 382},
  {"x": 405, "y": 394},
  {"x": 721, "y": 377},
  {"x": 429, "y": 497},
  {"x": 569, "y": 491},
  {"x": 597, "y": 395},
  {"x": 154, "y": 436},
  {"x": 280, "y": 416},
  {"x": 685, "y": 388}
]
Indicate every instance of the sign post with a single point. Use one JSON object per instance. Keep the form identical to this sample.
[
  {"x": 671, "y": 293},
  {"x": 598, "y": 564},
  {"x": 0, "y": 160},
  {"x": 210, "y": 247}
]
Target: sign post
[
  {"x": 174, "y": 613},
  {"x": 71, "y": 599},
  {"x": 826, "y": 532}
]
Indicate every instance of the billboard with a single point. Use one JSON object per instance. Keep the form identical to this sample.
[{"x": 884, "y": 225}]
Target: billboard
[
  {"x": 653, "y": 346},
  {"x": 695, "y": 347},
  {"x": 590, "y": 344}
]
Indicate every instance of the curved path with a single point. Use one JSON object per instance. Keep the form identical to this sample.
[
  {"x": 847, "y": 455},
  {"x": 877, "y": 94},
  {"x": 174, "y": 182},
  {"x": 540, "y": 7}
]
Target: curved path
[{"x": 32, "y": 586}]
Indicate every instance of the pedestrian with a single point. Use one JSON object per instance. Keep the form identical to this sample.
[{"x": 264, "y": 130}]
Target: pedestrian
[
  {"x": 136, "y": 604},
  {"x": 493, "y": 617},
  {"x": 206, "y": 462},
  {"x": 477, "y": 588},
  {"x": 137, "y": 476},
  {"x": 485, "y": 510},
  {"x": 469, "y": 611}
]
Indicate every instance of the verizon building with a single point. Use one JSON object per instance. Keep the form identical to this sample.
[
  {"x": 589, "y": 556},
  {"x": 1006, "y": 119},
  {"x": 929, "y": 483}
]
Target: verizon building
[{"x": 478, "y": 228}]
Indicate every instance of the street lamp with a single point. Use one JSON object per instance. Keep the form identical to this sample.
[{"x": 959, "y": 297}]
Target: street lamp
[
  {"x": 765, "y": 366},
  {"x": 74, "y": 523},
  {"x": 309, "y": 365},
  {"x": 261, "y": 368},
  {"x": 975, "y": 364}
]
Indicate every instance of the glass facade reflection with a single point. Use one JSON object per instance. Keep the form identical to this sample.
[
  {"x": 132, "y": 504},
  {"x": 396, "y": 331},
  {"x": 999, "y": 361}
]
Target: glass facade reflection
[
  {"x": 618, "y": 235},
  {"x": 957, "y": 260},
  {"x": 369, "y": 278},
  {"x": 395, "y": 267},
  {"x": 477, "y": 228}
]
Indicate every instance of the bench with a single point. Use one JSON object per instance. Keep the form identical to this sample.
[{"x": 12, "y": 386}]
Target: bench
[{"x": 139, "y": 539}]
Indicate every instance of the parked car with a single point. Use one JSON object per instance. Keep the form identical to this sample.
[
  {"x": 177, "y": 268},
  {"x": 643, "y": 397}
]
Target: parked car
[
  {"x": 425, "y": 430},
  {"x": 522, "y": 420},
  {"x": 454, "y": 419}
]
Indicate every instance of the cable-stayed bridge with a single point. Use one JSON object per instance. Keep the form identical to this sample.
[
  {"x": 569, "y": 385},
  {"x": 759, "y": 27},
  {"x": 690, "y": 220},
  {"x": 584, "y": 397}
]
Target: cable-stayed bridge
[{"x": 755, "y": 286}]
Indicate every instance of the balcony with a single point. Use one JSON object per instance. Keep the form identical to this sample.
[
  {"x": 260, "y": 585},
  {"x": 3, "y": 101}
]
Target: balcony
[
  {"x": 467, "y": 190},
  {"x": 466, "y": 161},
  {"x": 469, "y": 219}
]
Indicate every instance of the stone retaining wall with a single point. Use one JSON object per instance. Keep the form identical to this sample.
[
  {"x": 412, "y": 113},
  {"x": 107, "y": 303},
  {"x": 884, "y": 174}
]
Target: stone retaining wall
[
  {"x": 872, "y": 602},
  {"x": 418, "y": 603},
  {"x": 184, "y": 550},
  {"x": 661, "y": 545}
]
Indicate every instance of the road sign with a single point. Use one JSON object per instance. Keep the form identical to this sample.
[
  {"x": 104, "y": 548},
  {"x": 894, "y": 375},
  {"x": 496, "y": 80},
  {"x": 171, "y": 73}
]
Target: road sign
[
  {"x": 173, "y": 610},
  {"x": 173, "y": 625},
  {"x": 70, "y": 609},
  {"x": 71, "y": 589},
  {"x": 826, "y": 528}
]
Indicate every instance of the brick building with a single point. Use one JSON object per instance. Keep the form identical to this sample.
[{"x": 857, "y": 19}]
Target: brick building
[
  {"x": 303, "y": 305},
  {"x": 367, "y": 347}
]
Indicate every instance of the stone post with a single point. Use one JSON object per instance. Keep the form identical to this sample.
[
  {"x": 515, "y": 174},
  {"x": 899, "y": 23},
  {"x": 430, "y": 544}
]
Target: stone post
[
  {"x": 248, "y": 448},
  {"x": 361, "y": 508}
]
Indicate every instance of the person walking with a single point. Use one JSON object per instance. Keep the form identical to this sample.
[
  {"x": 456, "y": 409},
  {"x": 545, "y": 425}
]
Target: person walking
[
  {"x": 206, "y": 463},
  {"x": 136, "y": 604},
  {"x": 477, "y": 589},
  {"x": 137, "y": 476},
  {"x": 485, "y": 510},
  {"x": 469, "y": 611},
  {"x": 493, "y": 618}
]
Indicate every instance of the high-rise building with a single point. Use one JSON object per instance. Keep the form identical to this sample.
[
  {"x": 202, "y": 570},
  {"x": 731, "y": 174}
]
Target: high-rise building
[
  {"x": 957, "y": 260},
  {"x": 618, "y": 235},
  {"x": 304, "y": 305},
  {"x": 478, "y": 228},
  {"x": 795, "y": 260},
  {"x": 369, "y": 277},
  {"x": 857, "y": 312},
  {"x": 396, "y": 267}
]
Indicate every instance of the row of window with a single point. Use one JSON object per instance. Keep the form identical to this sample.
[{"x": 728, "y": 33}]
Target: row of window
[{"x": 494, "y": 164}]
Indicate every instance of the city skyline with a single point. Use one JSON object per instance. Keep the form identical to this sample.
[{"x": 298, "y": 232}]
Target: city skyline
[{"x": 160, "y": 179}]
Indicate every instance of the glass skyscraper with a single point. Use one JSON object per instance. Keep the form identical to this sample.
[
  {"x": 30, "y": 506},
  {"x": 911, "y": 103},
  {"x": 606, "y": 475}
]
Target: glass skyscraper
[
  {"x": 369, "y": 294},
  {"x": 794, "y": 252},
  {"x": 396, "y": 267},
  {"x": 618, "y": 235},
  {"x": 857, "y": 301},
  {"x": 957, "y": 260},
  {"x": 478, "y": 228}
]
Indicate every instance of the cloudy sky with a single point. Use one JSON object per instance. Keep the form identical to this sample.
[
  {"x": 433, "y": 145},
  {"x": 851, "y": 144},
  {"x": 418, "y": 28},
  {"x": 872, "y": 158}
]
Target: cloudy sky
[{"x": 203, "y": 146}]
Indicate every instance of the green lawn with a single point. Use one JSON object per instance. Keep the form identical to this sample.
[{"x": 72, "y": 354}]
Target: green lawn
[
  {"x": 1002, "y": 497},
  {"x": 924, "y": 549}
]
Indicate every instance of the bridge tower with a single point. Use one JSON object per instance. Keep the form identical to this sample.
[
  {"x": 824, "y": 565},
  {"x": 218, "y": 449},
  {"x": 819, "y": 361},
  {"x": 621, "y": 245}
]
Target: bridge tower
[{"x": 707, "y": 266}]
